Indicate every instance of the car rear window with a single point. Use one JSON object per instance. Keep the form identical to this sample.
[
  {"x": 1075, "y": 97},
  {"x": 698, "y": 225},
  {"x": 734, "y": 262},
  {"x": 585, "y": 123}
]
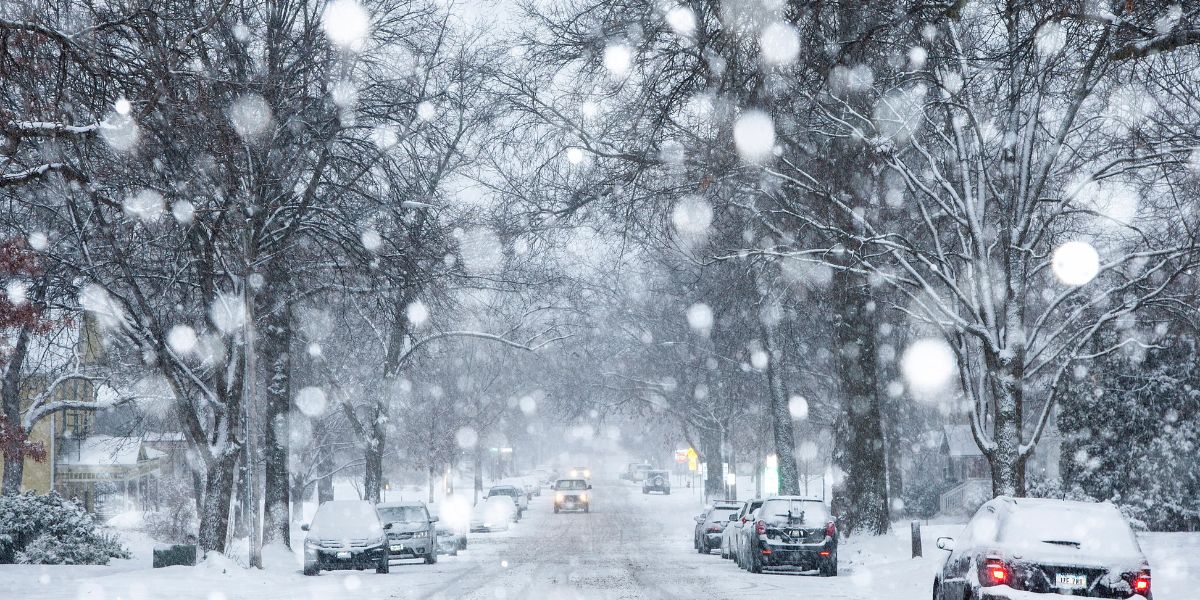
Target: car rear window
[
  {"x": 1091, "y": 531},
  {"x": 794, "y": 512}
]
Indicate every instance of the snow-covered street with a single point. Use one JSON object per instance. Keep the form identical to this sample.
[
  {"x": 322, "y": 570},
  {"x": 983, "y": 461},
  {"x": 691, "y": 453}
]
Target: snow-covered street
[{"x": 629, "y": 546}]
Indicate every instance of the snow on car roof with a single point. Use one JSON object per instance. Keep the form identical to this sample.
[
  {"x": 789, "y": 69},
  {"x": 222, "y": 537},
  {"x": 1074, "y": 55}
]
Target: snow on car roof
[
  {"x": 352, "y": 518},
  {"x": 400, "y": 504},
  {"x": 1041, "y": 527}
]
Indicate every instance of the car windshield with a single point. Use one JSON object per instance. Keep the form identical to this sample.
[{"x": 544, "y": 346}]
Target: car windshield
[
  {"x": 346, "y": 518},
  {"x": 403, "y": 514},
  {"x": 503, "y": 492},
  {"x": 1070, "y": 528},
  {"x": 783, "y": 511},
  {"x": 571, "y": 484},
  {"x": 719, "y": 515}
]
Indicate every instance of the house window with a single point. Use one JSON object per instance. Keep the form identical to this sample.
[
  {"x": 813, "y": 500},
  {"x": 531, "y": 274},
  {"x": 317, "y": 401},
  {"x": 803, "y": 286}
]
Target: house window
[{"x": 77, "y": 423}]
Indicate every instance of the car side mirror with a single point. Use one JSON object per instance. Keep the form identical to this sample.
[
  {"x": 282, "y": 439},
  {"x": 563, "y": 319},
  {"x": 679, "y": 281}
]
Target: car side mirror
[
  {"x": 304, "y": 527},
  {"x": 945, "y": 543},
  {"x": 698, "y": 518},
  {"x": 732, "y": 516},
  {"x": 433, "y": 519},
  {"x": 589, "y": 486},
  {"x": 387, "y": 525}
]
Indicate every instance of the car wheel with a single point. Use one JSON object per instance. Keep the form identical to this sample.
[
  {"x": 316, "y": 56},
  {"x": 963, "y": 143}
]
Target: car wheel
[
  {"x": 454, "y": 552},
  {"x": 756, "y": 562},
  {"x": 311, "y": 570},
  {"x": 668, "y": 492},
  {"x": 702, "y": 548},
  {"x": 937, "y": 590},
  {"x": 384, "y": 567},
  {"x": 556, "y": 510},
  {"x": 829, "y": 566},
  {"x": 462, "y": 542},
  {"x": 431, "y": 558}
]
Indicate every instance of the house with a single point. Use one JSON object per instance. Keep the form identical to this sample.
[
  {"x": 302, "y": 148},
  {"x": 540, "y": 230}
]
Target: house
[
  {"x": 965, "y": 471},
  {"x": 108, "y": 469}
]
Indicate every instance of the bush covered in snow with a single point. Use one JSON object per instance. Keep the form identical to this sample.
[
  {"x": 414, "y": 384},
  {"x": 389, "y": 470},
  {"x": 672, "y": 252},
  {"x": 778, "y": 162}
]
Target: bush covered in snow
[
  {"x": 37, "y": 529},
  {"x": 174, "y": 517}
]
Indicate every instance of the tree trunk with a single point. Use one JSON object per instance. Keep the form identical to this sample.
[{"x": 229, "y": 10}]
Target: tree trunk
[
  {"x": 432, "y": 477},
  {"x": 276, "y": 348},
  {"x": 782, "y": 427},
  {"x": 10, "y": 390},
  {"x": 298, "y": 494},
  {"x": 710, "y": 446},
  {"x": 373, "y": 455},
  {"x": 863, "y": 453},
  {"x": 218, "y": 495},
  {"x": 478, "y": 471},
  {"x": 1008, "y": 466}
]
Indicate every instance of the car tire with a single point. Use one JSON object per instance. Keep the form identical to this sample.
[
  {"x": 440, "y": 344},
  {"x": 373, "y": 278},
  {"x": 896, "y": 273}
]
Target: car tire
[
  {"x": 462, "y": 542},
  {"x": 556, "y": 510},
  {"x": 587, "y": 508},
  {"x": 756, "y": 563},
  {"x": 828, "y": 567},
  {"x": 311, "y": 570},
  {"x": 454, "y": 552},
  {"x": 668, "y": 492},
  {"x": 384, "y": 567},
  {"x": 937, "y": 590},
  {"x": 431, "y": 558}
]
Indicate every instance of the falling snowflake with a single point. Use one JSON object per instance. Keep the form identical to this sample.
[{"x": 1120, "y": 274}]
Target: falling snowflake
[
  {"x": 346, "y": 24},
  {"x": 1075, "y": 263},
  {"x": 754, "y": 136}
]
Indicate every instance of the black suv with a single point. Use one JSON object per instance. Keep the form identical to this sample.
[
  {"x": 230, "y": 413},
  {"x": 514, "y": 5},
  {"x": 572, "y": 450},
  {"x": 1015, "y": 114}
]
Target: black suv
[
  {"x": 657, "y": 481},
  {"x": 791, "y": 531}
]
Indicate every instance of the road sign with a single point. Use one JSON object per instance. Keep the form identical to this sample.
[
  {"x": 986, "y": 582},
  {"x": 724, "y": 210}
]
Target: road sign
[{"x": 681, "y": 456}]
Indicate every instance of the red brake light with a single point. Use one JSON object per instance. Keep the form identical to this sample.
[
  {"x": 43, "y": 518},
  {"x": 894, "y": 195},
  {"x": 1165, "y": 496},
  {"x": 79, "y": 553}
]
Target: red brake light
[
  {"x": 714, "y": 529},
  {"x": 997, "y": 572},
  {"x": 760, "y": 527},
  {"x": 1141, "y": 584},
  {"x": 830, "y": 529}
]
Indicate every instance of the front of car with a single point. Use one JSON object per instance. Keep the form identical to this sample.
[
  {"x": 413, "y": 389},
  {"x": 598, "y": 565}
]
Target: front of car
[
  {"x": 572, "y": 494},
  {"x": 581, "y": 472},
  {"x": 1060, "y": 548},
  {"x": 345, "y": 534},
  {"x": 657, "y": 481},
  {"x": 493, "y": 514},
  {"x": 794, "y": 532},
  {"x": 411, "y": 534}
]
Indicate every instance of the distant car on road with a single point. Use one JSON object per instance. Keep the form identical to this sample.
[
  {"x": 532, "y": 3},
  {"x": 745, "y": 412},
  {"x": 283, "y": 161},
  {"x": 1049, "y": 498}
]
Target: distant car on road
[
  {"x": 345, "y": 534},
  {"x": 636, "y": 471},
  {"x": 657, "y": 481},
  {"x": 572, "y": 494},
  {"x": 710, "y": 524},
  {"x": 493, "y": 514},
  {"x": 1024, "y": 547},
  {"x": 793, "y": 532},
  {"x": 412, "y": 533},
  {"x": 581, "y": 472},
  {"x": 519, "y": 498}
]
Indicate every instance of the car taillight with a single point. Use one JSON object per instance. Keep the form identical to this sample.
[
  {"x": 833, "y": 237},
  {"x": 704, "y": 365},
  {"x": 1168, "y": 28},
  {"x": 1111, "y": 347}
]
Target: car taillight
[
  {"x": 760, "y": 527},
  {"x": 1141, "y": 583},
  {"x": 714, "y": 529},
  {"x": 830, "y": 529},
  {"x": 997, "y": 572}
]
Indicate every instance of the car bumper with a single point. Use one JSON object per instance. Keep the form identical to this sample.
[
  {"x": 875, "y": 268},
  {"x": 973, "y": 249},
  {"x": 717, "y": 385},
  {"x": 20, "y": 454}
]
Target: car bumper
[
  {"x": 1003, "y": 592},
  {"x": 806, "y": 556},
  {"x": 571, "y": 505},
  {"x": 649, "y": 488},
  {"x": 330, "y": 559},
  {"x": 411, "y": 548}
]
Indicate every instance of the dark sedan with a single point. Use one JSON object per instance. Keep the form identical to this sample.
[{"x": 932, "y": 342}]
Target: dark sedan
[
  {"x": 709, "y": 526},
  {"x": 1021, "y": 547}
]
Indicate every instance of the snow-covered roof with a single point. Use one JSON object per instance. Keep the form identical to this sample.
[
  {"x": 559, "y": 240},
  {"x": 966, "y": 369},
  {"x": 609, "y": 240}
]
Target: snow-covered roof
[
  {"x": 105, "y": 450},
  {"x": 960, "y": 441}
]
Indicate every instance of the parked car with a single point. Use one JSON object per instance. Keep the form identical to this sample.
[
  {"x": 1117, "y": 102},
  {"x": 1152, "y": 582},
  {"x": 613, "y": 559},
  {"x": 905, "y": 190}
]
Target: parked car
[
  {"x": 454, "y": 514},
  {"x": 657, "y": 481},
  {"x": 636, "y": 472},
  {"x": 511, "y": 491},
  {"x": 710, "y": 524},
  {"x": 447, "y": 541},
  {"x": 793, "y": 532},
  {"x": 572, "y": 494},
  {"x": 1041, "y": 546},
  {"x": 412, "y": 533},
  {"x": 493, "y": 514},
  {"x": 345, "y": 534},
  {"x": 730, "y": 535}
]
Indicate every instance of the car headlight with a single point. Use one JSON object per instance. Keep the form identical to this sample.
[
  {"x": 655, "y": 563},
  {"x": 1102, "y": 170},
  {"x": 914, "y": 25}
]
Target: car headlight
[
  {"x": 583, "y": 497},
  {"x": 559, "y": 497},
  {"x": 311, "y": 545},
  {"x": 421, "y": 534}
]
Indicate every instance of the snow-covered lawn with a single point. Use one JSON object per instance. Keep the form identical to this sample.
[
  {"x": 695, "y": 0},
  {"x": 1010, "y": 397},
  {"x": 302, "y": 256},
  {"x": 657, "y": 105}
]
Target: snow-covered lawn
[{"x": 630, "y": 546}]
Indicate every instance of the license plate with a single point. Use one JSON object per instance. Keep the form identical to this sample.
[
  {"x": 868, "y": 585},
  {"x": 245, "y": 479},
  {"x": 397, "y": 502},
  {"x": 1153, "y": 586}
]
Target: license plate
[
  {"x": 1064, "y": 580},
  {"x": 795, "y": 532},
  {"x": 397, "y": 548},
  {"x": 343, "y": 555}
]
